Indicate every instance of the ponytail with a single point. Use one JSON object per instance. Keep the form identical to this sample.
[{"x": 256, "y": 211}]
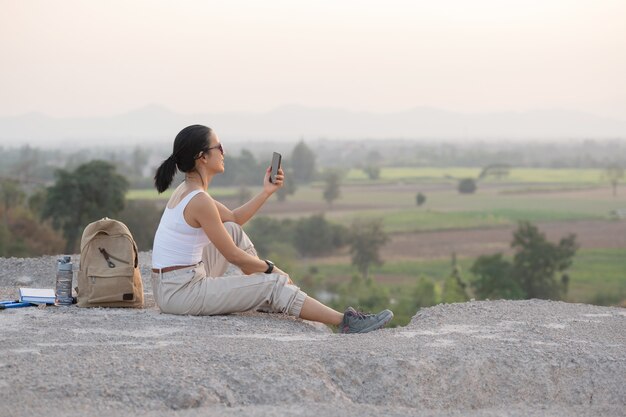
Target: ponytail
[
  {"x": 165, "y": 174},
  {"x": 188, "y": 143}
]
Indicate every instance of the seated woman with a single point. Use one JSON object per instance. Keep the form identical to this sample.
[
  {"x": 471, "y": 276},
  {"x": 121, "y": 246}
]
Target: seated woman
[{"x": 199, "y": 237}]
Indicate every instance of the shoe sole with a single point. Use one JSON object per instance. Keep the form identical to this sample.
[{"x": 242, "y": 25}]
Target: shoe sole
[{"x": 378, "y": 325}]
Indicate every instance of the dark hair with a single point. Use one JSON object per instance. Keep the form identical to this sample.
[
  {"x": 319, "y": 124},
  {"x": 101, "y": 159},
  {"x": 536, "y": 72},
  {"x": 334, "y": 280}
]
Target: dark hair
[{"x": 189, "y": 142}]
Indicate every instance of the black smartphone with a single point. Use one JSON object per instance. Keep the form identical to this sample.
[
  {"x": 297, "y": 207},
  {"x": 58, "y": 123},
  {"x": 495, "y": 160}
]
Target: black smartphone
[{"x": 276, "y": 158}]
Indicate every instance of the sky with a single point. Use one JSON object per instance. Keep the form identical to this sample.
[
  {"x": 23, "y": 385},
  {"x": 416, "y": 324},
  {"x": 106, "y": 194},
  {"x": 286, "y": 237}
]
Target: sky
[{"x": 89, "y": 58}]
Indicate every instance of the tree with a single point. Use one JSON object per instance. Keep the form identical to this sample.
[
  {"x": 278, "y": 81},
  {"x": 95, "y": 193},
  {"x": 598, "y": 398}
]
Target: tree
[
  {"x": 453, "y": 286},
  {"x": 28, "y": 161},
  {"x": 248, "y": 169},
  {"x": 240, "y": 170},
  {"x": 37, "y": 200},
  {"x": 303, "y": 159},
  {"x": 94, "y": 190},
  {"x": 314, "y": 236},
  {"x": 374, "y": 157},
  {"x": 331, "y": 188},
  {"x": 420, "y": 199},
  {"x": 24, "y": 235},
  {"x": 533, "y": 271},
  {"x": 21, "y": 232},
  {"x": 267, "y": 232},
  {"x": 366, "y": 239},
  {"x": 311, "y": 236},
  {"x": 142, "y": 219},
  {"x": 364, "y": 294},
  {"x": 5, "y": 240},
  {"x": 467, "y": 186},
  {"x": 372, "y": 171},
  {"x": 452, "y": 292},
  {"x": 537, "y": 261},
  {"x": 564, "y": 284},
  {"x": 11, "y": 195},
  {"x": 614, "y": 173},
  {"x": 494, "y": 279},
  {"x": 424, "y": 293}
]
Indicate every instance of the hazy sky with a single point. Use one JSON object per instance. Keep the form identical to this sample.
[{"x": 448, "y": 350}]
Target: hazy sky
[{"x": 99, "y": 58}]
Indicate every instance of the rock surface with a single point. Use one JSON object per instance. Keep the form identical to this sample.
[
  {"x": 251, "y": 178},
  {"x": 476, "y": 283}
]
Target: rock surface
[{"x": 491, "y": 358}]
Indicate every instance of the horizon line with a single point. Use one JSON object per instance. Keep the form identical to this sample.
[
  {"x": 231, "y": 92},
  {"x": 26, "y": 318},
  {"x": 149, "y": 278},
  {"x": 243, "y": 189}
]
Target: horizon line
[{"x": 311, "y": 107}]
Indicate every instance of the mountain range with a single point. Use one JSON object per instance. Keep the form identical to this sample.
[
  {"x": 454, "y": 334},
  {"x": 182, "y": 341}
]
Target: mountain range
[{"x": 291, "y": 122}]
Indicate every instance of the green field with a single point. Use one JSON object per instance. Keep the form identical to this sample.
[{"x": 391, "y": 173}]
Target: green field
[{"x": 596, "y": 276}]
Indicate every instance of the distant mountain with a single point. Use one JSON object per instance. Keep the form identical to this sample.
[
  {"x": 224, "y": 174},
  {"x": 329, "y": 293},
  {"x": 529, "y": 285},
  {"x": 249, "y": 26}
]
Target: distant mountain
[{"x": 290, "y": 122}]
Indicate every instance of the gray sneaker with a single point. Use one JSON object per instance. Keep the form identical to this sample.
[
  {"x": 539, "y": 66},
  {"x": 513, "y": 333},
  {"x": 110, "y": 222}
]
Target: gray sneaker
[{"x": 357, "y": 322}]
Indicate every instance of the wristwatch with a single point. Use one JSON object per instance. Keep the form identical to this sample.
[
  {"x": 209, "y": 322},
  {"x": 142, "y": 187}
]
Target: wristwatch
[{"x": 270, "y": 266}]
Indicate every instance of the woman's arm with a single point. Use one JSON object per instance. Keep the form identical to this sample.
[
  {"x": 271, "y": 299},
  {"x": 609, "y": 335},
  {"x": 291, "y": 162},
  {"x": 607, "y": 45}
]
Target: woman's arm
[
  {"x": 242, "y": 214},
  {"x": 202, "y": 212}
]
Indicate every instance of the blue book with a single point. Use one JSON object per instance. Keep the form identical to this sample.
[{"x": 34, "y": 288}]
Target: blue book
[
  {"x": 37, "y": 295},
  {"x": 13, "y": 304}
]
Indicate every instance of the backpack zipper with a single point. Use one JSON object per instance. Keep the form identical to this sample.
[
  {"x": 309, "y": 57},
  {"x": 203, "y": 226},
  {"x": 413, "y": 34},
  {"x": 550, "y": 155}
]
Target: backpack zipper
[{"x": 108, "y": 256}]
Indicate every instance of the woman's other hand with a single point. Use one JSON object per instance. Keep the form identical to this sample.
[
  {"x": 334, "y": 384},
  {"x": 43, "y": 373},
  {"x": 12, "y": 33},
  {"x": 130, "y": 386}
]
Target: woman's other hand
[
  {"x": 279, "y": 271},
  {"x": 272, "y": 187}
]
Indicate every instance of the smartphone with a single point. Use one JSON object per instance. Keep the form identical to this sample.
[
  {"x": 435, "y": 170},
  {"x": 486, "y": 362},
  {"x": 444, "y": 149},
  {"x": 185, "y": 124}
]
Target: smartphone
[{"x": 276, "y": 158}]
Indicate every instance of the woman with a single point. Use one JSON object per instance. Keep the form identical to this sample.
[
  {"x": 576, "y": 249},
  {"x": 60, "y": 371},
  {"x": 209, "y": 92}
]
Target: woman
[{"x": 199, "y": 237}]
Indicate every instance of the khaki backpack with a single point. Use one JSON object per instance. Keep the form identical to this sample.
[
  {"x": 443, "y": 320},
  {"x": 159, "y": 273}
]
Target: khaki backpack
[{"x": 109, "y": 275}]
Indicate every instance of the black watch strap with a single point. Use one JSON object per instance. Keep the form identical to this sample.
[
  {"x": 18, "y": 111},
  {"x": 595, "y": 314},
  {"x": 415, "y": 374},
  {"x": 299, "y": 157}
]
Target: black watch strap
[{"x": 270, "y": 266}]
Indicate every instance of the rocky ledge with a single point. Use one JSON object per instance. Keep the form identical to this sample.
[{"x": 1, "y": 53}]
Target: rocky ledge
[{"x": 490, "y": 358}]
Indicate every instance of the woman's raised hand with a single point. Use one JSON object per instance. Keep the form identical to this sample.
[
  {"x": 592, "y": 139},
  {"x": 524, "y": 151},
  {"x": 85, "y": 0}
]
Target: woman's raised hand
[{"x": 272, "y": 187}]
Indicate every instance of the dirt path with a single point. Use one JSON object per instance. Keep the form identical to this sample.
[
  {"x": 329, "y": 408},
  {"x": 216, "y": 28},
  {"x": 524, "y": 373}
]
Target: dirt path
[{"x": 590, "y": 234}]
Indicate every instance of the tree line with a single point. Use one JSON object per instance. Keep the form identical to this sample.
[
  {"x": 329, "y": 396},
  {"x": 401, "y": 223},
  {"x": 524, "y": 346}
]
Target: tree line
[
  {"x": 50, "y": 220},
  {"x": 313, "y": 157}
]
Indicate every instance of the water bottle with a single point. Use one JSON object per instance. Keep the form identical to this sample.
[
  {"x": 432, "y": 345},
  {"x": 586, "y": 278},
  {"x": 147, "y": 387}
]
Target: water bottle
[{"x": 64, "y": 282}]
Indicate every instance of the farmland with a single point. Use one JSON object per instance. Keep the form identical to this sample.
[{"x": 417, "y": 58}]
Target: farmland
[{"x": 423, "y": 239}]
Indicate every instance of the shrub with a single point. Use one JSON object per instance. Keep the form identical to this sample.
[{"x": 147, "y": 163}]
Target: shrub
[{"x": 467, "y": 186}]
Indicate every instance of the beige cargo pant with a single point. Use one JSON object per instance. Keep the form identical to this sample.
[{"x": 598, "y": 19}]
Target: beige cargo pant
[{"x": 204, "y": 290}]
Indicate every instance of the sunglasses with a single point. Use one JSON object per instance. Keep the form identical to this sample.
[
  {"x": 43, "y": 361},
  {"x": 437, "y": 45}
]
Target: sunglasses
[
  {"x": 217, "y": 147},
  {"x": 221, "y": 149}
]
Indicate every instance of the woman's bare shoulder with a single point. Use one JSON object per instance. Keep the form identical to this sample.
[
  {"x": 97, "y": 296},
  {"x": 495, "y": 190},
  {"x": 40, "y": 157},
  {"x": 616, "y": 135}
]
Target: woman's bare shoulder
[
  {"x": 181, "y": 192},
  {"x": 201, "y": 201}
]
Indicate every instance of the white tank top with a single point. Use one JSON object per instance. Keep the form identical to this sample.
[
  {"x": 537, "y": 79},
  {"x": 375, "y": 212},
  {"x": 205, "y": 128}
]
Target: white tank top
[{"x": 175, "y": 242}]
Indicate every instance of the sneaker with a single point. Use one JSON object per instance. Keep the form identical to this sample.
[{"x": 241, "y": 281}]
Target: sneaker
[{"x": 358, "y": 322}]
